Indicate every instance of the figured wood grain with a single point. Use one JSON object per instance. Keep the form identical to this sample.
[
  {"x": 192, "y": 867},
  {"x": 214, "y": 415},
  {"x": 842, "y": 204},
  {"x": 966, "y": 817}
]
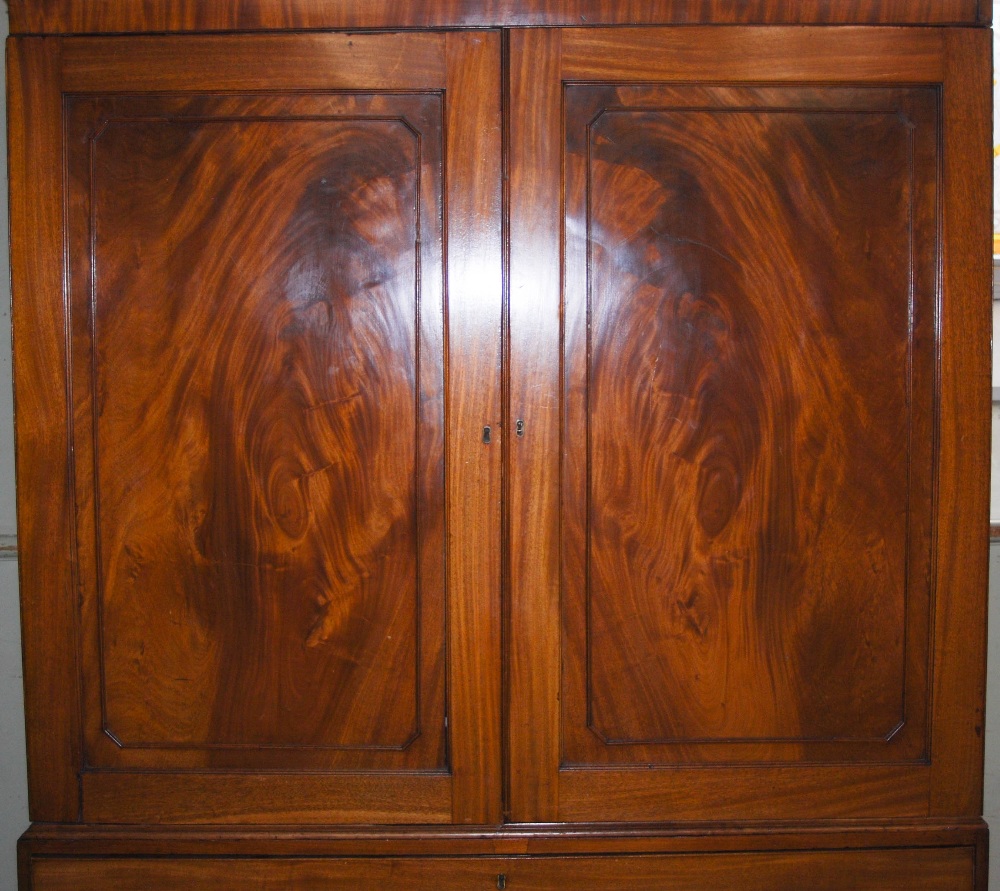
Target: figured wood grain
[
  {"x": 962, "y": 544},
  {"x": 539, "y": 790},
  {"x": 893, "y": 870},
  {"x": 227, "y": 705},
  {"x": 749, "y": 387},
  {"x": 261, "y": 400},
  {"x": 81, "y": 16},
  {"x": 651, "y": 789},
  {"x": 48, "y": 613}
]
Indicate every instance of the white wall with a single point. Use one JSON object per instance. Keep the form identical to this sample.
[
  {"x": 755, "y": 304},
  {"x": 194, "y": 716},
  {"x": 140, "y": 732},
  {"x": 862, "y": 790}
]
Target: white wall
[
  {"x": 13, "y": 786},
  {"x": 991, "y": 806},
  {"x": 13, "y": 791}
]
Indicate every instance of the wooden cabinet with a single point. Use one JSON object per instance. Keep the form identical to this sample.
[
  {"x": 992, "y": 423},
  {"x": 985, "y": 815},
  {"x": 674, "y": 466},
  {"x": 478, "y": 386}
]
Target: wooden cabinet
[
  {"x": 276, "y": 618},
  {"x": 732, "y": 374},
  {"x": 464, "y": 453}
]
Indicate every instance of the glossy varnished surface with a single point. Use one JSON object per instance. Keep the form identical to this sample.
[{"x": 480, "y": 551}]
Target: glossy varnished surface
[
  {"x": 475, "y": 288},
  {"x": 749, "y": 372},
  {"x": 913, "y": 870},
  {"x": 821, "y": 767},
  {"x": 258, "y": 388},
  {"x": 959, "y": 685},
  {"x": 589, "y": 856},
  {"x": 85, "y": 16},
  {"x": 48, "y": 627},
  {"x": 779, "y": 463},
  {"x": 533, "y": 669},
  {"x": 255, "y": 392}
]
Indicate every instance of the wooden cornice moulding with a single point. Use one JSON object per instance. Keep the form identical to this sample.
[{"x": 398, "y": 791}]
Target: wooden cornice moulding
[{"x": 158, "y": 16}]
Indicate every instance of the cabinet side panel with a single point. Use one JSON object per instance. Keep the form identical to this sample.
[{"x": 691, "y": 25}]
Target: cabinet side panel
[
  {"x": 962, "y": 545},
  {"x": 45, "y": 502}
]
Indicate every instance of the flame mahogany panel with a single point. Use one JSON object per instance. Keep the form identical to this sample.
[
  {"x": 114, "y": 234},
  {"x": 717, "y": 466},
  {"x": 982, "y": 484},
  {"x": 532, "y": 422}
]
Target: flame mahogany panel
[
  {"x": 749, "y": 420},
  {"x": 258, "y": 383}
]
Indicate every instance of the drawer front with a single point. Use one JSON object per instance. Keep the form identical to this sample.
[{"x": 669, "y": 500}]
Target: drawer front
[{"x": 898, "y": 869}]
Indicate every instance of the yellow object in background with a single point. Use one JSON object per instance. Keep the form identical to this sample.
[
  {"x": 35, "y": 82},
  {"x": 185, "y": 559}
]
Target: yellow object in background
[{"x": 996, "y": 234}]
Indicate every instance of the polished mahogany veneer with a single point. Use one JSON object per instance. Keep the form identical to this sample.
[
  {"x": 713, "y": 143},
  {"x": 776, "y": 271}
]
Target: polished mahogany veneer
[
  {"x": 749, "y": 366},
  {"x": 731, "y": 309},
  {"x": 260, "y": 408},
  {"x": 264, "y": 522},
  {"x": 458, "y": 452}
]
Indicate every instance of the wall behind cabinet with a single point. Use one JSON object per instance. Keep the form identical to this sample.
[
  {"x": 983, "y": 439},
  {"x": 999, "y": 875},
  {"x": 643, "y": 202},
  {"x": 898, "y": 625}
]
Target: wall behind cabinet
[{"x": 13, "y": 779}]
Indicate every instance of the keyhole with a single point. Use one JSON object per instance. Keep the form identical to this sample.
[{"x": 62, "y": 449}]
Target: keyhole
[
  {"x": 487, "y": 435},
  {"x": 501, "y": 881},
  {"x": 519, "y": 427}
]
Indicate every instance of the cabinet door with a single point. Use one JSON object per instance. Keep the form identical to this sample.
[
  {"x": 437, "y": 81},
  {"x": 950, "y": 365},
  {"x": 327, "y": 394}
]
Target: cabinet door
[
  {"x": 749, "y": 300},
  {"x": 258, "y": 306}
]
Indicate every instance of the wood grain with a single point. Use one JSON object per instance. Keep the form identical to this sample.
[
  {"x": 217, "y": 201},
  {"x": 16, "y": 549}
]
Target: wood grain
[
  {"x": 266, "y": 797},
  {"x": 749, "y": 388},
  {"x": 288, "y": 583},
  {"x": 619, "y": 61},
  {"x": 257, "y": 284},
  {"x": 44, "y": 516},
  {"x": 264, "y": 62},
  {"x": 475, "y": 293},
  {"x": 87, "y": 16},
  {"x": 706, "y": 54},
  {"x": 914, "y": 870},
  {"x": 737, "y": 792},
  {"x": 511, "y": 839},
  {"x": 962, "y": 544},
  {"x": 533, "y": 665},
  {"x": 438, "y": 854},
  {"x": 259, "y": 390}
]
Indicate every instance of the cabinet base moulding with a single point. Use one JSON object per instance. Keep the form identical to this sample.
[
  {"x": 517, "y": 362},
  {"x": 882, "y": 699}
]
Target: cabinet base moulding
[{"x": 912, "y": 856}]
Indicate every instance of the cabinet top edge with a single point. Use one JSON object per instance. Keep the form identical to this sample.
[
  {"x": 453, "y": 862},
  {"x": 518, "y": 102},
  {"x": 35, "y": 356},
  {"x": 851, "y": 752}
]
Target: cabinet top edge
[{"x": 29, "y": 17}]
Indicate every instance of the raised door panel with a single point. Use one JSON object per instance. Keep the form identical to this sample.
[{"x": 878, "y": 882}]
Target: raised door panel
[
  {"x": 728, "y": 353},
  {"x": 258, "y": 386},
  {"x": 259, "y": 373},
  {"x": 749, "y": 368}
]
